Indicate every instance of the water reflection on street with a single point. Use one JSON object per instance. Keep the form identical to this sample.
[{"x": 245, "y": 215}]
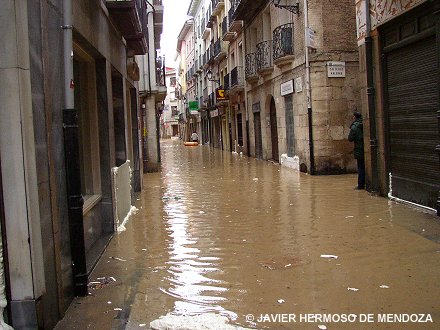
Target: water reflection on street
[
  {"x": 246, "y": 236},
  {"x": 223, "y": 233}
]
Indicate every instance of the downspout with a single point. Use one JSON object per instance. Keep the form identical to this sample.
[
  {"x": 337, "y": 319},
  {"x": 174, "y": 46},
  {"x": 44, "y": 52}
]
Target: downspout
[
  {"x": 309, "y": 91},
  {"x": 371, "y": 100},
  {"x": 75, "y": 200}
]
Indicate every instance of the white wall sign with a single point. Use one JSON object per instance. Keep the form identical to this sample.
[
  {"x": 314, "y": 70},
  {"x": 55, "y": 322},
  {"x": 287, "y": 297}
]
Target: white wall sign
[
  {"x": 286, "y": 88},
  {"x": 298, "y": 84},
  {"x": 310, "y": 41},
  {"x": 214, "y": 113},
  {"x": 336, "y": 69}
]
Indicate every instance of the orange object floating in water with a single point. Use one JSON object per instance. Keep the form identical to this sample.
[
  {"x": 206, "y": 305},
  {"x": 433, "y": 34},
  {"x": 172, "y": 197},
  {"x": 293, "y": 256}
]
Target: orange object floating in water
[{"x": 191, "y": 144}]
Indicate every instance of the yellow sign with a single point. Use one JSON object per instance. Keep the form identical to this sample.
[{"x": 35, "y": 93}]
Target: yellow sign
[{"x": 220, "y": 95}]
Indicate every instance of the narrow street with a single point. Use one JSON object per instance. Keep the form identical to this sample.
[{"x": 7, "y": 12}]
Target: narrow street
[{"x": 222, "y": 233}]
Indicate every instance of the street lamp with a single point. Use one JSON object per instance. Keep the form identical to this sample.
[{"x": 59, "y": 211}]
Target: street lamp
[
  {"x": 209, "y": 75},
  {"x": 283, "y": 4}
]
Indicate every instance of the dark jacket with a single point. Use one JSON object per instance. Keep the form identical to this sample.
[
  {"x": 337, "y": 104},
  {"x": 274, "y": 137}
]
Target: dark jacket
[{"x": 357, "y": 136}]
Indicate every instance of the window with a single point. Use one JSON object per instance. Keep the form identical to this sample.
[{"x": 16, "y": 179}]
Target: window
[
  {"x": 86, "y": 105},
  {"x": 173, "y": 81},
  {"x": 174, "y": 111}
]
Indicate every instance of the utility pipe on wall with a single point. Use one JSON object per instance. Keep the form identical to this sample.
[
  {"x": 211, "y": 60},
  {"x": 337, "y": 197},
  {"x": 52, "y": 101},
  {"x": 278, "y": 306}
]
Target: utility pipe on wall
[
  {"x": 371, "y": 99},
  {"x": 308, "y": 90},
  {"x": 75, "y": 200}
]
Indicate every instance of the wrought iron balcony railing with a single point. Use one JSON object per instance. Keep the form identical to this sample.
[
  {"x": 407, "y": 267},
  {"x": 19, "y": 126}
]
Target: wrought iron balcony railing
[
  {"x": 219, "y": 48},
  {"x": 283, "y": 41},
  {"x": 225, "y": 25},
  {"x": 226, "y": 81},
  {"x": 211, "y": 100},
  {"x": 237, "y": 76},
  {"x": 264, "y": 55},
  {"x": 233, "y": 8},
  {"x": 250, "y": 65}
]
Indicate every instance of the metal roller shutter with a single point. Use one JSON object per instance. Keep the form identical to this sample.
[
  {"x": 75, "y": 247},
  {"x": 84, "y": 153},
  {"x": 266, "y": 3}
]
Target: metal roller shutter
[{"x": 413, "y": 125}]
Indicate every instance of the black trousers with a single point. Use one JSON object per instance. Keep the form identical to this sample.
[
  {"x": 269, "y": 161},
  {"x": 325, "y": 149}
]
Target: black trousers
[{"x": 361, "y": 173}]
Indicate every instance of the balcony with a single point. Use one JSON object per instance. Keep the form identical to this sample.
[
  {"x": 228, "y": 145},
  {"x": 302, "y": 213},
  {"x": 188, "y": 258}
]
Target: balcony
[
  {"x": 235, "y": 26},
  {"x": 237, "y": 79},
  {"x": 206, "y": 30},
  {"x": 210, "y": 55},
  {"x": 196, "y": 68},
  {"x": 246, "y": 10},
  {"x": 205, "y": 97},
  {"x": 200, "y": 65},
  {"x": 226, "y": 82},
  {"x": 130, "y": 18},
  {"x": 263, "y": 57},
  {"x": 226, "y": 34},
  {"x": 158, "y": 22},
  {"x": 217, "y": 6},
  {"x": 211, "y": 101},
  {"x": 209, "y": 18},
  {"x": 283, "y": 45},
  {"x": 251, "y": 68},
  {"x": 219, "y": 50},
  {"x": 161, "y": 88}
]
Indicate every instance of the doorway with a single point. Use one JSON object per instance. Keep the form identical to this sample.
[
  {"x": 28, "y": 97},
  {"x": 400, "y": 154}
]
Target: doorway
[{"x": 274, "y": 130}]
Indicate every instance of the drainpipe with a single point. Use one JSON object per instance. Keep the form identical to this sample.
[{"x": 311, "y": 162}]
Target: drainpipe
[
  {"x": 371, "y": 100},
  {"x": 4, "y": 292},
  {"x": 75, "y": 200},
  {"x": 309, "y": 91}
]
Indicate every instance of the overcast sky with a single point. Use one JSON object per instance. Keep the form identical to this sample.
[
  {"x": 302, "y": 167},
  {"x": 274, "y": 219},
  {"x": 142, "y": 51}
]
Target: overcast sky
[{"x": 174, "y": 17}]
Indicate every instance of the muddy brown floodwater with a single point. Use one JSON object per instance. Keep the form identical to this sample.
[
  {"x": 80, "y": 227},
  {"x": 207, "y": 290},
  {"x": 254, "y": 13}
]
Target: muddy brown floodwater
[{"x": 222, "y": 233}]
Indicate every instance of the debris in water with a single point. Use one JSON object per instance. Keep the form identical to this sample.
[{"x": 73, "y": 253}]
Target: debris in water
[
  {"x": 281, "y": 301},
  {"x": 283, "y": 262},
  {"x": 144, "y": 249},
  {"x": 329, "y": 256},
  {"x": 117, "y": 309},
  {"x": 120, "y": 259},
  {"x": 349, "y": 216},
  {"x": 352, "y": 289},
  {"x": 201, "y": 212},
  {"x": 255, "y": 179},
  {"x": 109, "y": 302},
  {"x": 142, "y": 325},
  {"x": 208, "y": 321},
  {"x": 101, "y": 283},
  {"x": 383, "y": 286},
  {"x": 322, "y": 327}
]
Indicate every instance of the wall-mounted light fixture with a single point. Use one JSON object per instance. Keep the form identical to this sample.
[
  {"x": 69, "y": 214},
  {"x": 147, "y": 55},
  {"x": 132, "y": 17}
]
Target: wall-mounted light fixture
[
  {"x": 284, "y": 4},
  {"x": 209, "y": 76}
]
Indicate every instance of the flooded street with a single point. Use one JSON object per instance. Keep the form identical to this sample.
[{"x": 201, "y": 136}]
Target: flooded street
[{"x": 226, "y": 234}]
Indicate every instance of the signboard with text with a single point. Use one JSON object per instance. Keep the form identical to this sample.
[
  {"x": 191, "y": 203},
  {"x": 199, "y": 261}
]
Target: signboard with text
[
  {"x": 287, "y": 88},
  {"x": 335, "y": 69},
  {"x": 220, "y": 95}
]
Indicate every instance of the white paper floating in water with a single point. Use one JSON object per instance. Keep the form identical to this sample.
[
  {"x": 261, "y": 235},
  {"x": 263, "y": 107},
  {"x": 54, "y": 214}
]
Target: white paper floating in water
[
  {"x": 201, "y": 212},
  {"x": 117, "y": 309},
  {"x": 383, "y": 286},
  {"x": 109, "y": 302},
  {"x": 208, "y": 321},
  {"x": 329, "y": 256},
  {"x": 142, "y": 325},
  {"x": 322, "y": 327},
  {"x": 349, "y": 216},
  {"x": 255, "y": 179},
  {"x": 352, "y": 289},
  {"x": 281, "y": 301}
]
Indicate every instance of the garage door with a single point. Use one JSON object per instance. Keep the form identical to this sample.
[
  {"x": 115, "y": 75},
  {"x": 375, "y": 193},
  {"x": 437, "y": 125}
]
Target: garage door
[{"x": 413, "y": 102}]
